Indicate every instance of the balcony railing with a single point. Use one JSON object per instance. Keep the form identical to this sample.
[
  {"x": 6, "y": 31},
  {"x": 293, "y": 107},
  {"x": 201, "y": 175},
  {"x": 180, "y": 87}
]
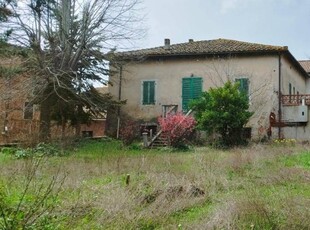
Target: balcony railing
[{"x": 295, "y": 100}]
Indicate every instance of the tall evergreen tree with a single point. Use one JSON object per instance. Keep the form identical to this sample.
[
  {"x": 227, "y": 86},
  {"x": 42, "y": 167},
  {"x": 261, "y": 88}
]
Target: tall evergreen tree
[{"x": 68, "y": 40}]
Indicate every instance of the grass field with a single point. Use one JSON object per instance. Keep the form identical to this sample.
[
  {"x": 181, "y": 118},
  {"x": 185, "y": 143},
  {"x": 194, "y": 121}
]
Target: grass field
[{"x": 103, "y": 185}]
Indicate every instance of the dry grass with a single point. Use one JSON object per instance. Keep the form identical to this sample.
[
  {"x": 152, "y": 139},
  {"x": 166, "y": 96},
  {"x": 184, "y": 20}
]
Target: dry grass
[{"x": 243, "y": 188}]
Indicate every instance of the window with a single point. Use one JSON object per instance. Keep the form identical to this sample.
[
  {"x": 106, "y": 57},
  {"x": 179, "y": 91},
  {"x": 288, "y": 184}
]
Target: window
[
  {"x": 290, "y": 91},
  {"x": 298, "y": 99},
  {"x": 244, "y": 85},
  {"x": 87, "y": 133},
  {"x": 28, "y": 111},
  {"x": 191, "y": 89},
  {"x": 148, "y": 93}
]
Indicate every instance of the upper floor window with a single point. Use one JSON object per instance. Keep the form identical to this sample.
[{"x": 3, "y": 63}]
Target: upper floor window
[
  {"x": 28, "y": 110},
  {"x": 243, "y": 85},
  {"x": 148, "y": 92},
  {"x": 191, "y": 89}
]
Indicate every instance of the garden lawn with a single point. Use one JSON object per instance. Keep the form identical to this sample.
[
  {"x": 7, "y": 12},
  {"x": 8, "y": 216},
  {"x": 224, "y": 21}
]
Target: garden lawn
[{"x": 104, "y": 185}]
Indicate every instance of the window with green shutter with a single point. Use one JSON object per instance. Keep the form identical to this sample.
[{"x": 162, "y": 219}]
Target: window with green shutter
[
  {"x": 191, "y": 89},
  {"x": 244, "y": 85},
  {"x": 148, "y": 92}
]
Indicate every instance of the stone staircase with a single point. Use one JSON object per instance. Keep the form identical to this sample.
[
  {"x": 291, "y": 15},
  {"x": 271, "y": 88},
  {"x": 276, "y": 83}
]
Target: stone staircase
[{"x": 161, "y": 141}]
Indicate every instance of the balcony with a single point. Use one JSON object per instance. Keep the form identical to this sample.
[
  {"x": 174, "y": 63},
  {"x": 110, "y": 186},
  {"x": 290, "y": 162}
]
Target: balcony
[{"x": 295, "y": 100}]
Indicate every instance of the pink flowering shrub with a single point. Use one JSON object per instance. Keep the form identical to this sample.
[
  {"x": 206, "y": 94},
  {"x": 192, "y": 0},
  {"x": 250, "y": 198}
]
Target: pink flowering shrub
[{"x": 178, "y": 127}]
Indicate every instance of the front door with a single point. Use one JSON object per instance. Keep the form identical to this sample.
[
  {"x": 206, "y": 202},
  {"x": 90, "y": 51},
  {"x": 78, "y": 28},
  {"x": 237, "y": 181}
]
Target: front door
[{"x": 191, "y": 89}]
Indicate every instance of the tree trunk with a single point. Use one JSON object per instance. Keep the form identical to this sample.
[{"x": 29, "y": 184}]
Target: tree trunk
[
  {"x": 63, "y": 128},
  {"x": 45, "y": 122},
  {"x": 78, "y": 121},
  {"x": 45, "y": 115}
]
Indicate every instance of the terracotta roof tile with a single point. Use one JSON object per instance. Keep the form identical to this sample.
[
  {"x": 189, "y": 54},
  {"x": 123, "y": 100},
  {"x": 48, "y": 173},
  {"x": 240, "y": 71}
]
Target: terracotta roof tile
[
  {"x": 217, "y": 46},
  {"x": 305, "y": 64}
]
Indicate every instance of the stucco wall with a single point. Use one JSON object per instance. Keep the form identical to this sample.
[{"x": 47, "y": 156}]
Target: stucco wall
[
  {"x": 262, "y": 72},
  {"x": 308, "y": 85},
  {"x": 299, "y": 133},
  {"x": 291, "y": 75}
]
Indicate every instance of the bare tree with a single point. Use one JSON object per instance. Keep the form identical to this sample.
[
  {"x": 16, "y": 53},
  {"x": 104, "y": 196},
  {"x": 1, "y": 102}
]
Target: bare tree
[{"x": 68, "y": 40}]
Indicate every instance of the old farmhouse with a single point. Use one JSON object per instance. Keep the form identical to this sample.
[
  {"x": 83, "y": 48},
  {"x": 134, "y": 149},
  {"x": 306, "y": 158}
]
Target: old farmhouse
[{"x": 156, "y": 80}]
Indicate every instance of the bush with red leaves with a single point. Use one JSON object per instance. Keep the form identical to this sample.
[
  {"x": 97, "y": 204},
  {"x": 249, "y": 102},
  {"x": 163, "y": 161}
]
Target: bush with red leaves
[
  {"x": 129, "y": 131},
  {"x": 178, "y": 128}
]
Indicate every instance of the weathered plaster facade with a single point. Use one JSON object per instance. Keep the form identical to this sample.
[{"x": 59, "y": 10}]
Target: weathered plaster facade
[{"x": 266, "y": 71}]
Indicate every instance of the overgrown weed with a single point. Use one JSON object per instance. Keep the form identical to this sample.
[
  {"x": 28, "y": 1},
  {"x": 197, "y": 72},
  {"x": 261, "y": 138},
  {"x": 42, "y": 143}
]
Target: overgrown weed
[
  {"x": 258, "y": 187},
  {"x": 28, "y": 202}
]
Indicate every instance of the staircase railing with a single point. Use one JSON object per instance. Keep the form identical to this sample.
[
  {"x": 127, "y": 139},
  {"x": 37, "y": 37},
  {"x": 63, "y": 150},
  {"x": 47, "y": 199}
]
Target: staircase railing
[{"x": 155, "y": 138}]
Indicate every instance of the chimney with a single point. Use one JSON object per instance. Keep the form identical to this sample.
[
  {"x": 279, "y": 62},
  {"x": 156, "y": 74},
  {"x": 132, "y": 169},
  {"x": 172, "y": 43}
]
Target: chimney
[
  {"x": 190, "y": 40},
  {"x": 167, "y": 43}
]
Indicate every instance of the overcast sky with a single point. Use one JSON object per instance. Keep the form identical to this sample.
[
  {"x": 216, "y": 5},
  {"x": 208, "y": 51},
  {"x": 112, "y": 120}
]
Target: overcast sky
[{"x": 273, "y": 22}]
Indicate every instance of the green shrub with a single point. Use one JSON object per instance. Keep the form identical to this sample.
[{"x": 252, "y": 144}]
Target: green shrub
[
  {"x": 223, "y": 111},
  {"x": 8, "y": 150},
  {"x": 41, "y": 149}
]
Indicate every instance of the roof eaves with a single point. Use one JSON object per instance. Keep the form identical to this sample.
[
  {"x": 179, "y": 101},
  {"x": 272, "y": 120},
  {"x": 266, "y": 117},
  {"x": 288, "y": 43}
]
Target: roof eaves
[
  {"x": 188, "y": 54},
  {"x": 297, "y": 64}
]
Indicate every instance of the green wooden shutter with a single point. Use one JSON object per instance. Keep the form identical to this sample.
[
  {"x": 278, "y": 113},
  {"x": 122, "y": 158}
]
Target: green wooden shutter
[
  {"x": 151, "y": 92},
  {"x": 148, "y": 94},
  {"x": 244, "y": 85},
  {"x": 145, "y": 93},
  {"x": 191, "y": 89},
  {"x": 196, "y": 87},
  {"x": 186, "y": 93}
]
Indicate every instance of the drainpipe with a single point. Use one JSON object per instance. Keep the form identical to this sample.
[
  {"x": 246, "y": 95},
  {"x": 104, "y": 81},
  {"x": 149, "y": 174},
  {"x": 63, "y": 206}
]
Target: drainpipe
[
  {"x": 119, "y": 98},
  {"x": 280, "y": 97}
]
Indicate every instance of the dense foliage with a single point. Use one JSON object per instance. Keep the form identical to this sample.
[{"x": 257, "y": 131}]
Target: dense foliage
[
  {"x": 177, "y": 127},
  {"x": 68, "y": 42},
  {"x": 223, "y": 111}
]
